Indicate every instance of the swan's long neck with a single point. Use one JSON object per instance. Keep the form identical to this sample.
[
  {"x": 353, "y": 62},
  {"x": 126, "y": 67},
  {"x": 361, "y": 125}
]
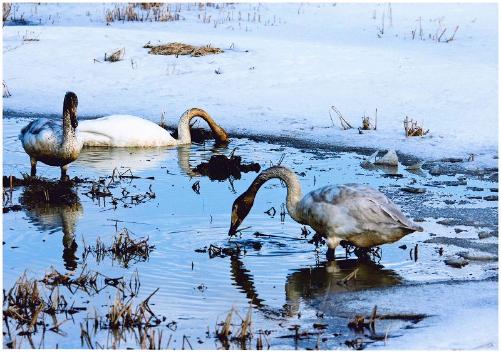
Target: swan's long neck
[
  {"x": 183, "y": 128},
  {"x": 69, "y": 113},
  {"x": 294, "y": 193},
  {"x": 68, "y": 130}
]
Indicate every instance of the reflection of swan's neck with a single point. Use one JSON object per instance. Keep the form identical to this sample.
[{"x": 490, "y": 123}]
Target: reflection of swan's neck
[
  {"x": 183, "y": 153},
  {"x": 183, "y": 128},
  {"x": 294, "y": 194}
]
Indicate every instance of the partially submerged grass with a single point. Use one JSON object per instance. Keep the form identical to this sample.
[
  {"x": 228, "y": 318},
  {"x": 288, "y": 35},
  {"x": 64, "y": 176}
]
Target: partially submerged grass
[
  {"x": 240, "y": 332},
  {"x": 124, "y": 249},
  {"x": 177, "y": 49}
]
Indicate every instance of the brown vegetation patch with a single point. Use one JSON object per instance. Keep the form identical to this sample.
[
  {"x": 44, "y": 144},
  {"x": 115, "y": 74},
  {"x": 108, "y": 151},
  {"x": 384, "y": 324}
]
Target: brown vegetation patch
[{"x": 177, "y": 49}]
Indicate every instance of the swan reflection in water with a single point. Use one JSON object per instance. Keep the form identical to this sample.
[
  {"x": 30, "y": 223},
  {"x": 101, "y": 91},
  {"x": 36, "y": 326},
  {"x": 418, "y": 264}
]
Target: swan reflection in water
[
  {"x": 57, "y": 210},
  {"x": 314, "y": 283},
  {"x": 105, "y": 160}
]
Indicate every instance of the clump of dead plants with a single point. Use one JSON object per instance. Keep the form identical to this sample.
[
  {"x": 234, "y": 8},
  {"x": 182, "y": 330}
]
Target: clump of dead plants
[
  {"x": 412, "y": 128},
  {"x": 239, "y": 333},
  {"x": 124, "y": 249},
  {"x": 101, "y": 190},
  {"x": 360, "y": 322},
  {"x": 177, "y": 49},
  {"x": 143, "y": 12},
  {"x": 114, "y": 56}
]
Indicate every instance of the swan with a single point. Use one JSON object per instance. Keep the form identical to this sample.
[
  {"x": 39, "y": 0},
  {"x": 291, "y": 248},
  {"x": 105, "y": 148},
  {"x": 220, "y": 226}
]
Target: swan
[
  {"x": 355, "y": 213},
  {"x": 133, "y": 131},
  {"x": 50, "y": 142}
]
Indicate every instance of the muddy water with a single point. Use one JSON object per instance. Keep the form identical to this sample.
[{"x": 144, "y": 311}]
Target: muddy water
[{"x": 285, "y": 277}]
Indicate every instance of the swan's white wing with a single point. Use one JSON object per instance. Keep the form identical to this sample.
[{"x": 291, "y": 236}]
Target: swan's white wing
[{"x": 123, "y": 131}]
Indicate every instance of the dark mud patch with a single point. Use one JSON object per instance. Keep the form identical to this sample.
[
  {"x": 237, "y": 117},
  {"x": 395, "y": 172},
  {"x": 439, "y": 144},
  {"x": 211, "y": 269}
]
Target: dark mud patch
[
  {"x": 220, "y": 167},
  {"x": 198, "y": 134},
  {"x": 491, "y": 248}
]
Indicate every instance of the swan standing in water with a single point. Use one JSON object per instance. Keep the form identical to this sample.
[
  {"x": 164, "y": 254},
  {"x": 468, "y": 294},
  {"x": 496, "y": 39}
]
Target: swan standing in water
[
  {"x": 50, "y": 142},
  {"x": 356, "y": 213},
  {"x": 133, "y": 131}
]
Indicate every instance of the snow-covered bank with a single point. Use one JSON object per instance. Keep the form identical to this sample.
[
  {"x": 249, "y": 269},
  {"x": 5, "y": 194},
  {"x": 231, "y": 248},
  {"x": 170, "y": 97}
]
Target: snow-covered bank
[{"x": 291, "y": 63}]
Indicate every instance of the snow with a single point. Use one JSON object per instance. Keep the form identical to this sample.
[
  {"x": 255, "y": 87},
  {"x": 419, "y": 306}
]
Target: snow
[{"x": 284, "y": 71}]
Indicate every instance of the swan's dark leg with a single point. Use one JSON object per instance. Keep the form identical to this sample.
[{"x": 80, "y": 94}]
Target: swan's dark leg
[
  {"x": 64, "y": 176},
  {"x": 33, "y": 166},
  {"x": 331, "y": 254}
]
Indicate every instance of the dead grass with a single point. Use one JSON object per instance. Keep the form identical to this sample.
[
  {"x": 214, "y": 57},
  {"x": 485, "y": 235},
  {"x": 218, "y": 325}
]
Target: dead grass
[
  {"x": 177, "y": 49},
  {"x": 6, "y": 7},
  {"x": 143, "y": 12},
  {"x": 115, "y": 56},
  {"x": 124, "y": 249},
  {"x": 412, "y": 128}
]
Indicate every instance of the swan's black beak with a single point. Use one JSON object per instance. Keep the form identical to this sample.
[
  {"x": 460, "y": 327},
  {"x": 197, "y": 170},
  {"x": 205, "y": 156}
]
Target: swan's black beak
[{"x": 233, "y": 230}]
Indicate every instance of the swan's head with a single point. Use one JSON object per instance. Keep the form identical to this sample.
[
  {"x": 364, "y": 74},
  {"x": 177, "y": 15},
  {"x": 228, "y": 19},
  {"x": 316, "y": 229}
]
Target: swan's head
[
  {"x": 70, "y": 107},
  {"x": 240, "y": 210}
]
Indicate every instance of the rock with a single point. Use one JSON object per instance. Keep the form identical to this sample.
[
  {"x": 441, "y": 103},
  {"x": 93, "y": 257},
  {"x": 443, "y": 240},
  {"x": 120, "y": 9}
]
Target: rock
[
  {"x": 457, "y": 230},
  {"x": 477, "y": 257},
  {"x": 455, "y": 262},
  {"x": 484, "y": 235},
  {"x": 403, "y": 247},
  {"x": 491, "y": 198},
  {"x": 416, "y": 166},
  {"x": 452, "y": 160},
  {"x": 493, "y": 177},
  {"x": 474, "y": 188},
  {"x": 493, "y": 189},
  {"x": 491, "y": 248},
  {"x": 413, "y": 190},
  {"x": 390, "y": 158},
  {"x": 419, "y": 219}
]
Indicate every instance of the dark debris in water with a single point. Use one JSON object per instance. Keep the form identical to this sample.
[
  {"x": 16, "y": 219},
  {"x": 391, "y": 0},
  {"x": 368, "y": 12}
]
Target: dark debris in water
[{"x": 220, "y": 167}]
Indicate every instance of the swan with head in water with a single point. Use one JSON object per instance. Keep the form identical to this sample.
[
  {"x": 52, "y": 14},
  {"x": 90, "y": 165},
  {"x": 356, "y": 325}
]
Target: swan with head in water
[
  {"x": 355, "y": 213},
  {"x": 133, "y": 131},
  {"x": 50, "y": 142}
]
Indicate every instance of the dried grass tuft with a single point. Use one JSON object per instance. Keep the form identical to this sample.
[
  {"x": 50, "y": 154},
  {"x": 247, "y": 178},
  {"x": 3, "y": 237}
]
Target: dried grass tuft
[
  {"x": 412, "y": 128},
  {"x": 177, "y": 49},
  {"x": 115, "y": 56}
]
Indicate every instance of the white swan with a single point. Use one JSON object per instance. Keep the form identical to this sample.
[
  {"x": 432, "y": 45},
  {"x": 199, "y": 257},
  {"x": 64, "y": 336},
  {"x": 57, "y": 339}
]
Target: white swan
[
  {"x": 356, "y": 213},
  {"x": 53, "y": 143},
  {"x": 133, "y": 131}
]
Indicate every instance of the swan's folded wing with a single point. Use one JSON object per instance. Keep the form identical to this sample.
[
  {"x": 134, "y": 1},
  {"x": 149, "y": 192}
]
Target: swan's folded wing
[
  {"x": 373, "y": 207},
  {"x": 40, "y": 132},
  {"x": 123, "y": 131}
]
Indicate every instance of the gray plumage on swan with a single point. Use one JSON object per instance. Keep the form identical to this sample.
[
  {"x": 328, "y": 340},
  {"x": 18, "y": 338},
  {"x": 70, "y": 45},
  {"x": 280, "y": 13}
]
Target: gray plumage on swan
[
  {"x": 51, "y": 142},
  {"x": 358, "y": 214}
]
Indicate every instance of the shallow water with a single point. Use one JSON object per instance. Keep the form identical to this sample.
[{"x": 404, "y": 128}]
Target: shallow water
[{"x": 286, "y": 278}]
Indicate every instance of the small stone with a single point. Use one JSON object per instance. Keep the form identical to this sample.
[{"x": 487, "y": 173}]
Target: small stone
[
  {"x": 491, "y": 198},
  {"x": 403, "y": 247},
  {"x": 419, "y": 219},
  {"x": 455, "y": 262},
  {"x": 390, "y": 158},
  {"x": 493, "y": 189},
  {"x": 484, "y": 235},
  {"x": 413, "y": 190},
  {"x": 474, "y": 188},
  {"x": 457, "y": 230}
]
